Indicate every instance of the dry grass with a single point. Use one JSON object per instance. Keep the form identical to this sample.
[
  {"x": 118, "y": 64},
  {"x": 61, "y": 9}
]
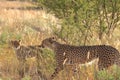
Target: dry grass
[{"x": 19, "y": 21}]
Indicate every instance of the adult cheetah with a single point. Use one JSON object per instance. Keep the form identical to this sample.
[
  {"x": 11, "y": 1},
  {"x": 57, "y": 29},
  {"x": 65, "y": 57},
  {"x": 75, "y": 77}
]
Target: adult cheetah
[
  {"x": 68, "y": 54},
  {"x": 24, "y": 52}
]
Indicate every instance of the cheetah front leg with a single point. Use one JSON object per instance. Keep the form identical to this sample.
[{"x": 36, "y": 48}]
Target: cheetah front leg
[
  {"x": 57, "y": 70},
  {"x": 21, "y": 69}
]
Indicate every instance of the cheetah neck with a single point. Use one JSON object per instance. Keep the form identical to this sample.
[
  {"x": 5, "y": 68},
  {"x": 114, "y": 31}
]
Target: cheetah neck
[{"x": 55, "y": 46}]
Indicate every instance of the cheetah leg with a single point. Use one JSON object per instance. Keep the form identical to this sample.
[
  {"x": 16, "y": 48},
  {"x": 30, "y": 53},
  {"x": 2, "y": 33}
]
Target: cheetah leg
[
  {"x": 57, "y": 70},
  {"x": 102, "y": 65},
  {"x": 43, "y": 76},
  {"x": 117, "y": 61},
  {"x": 21, "y": 69},
  {"x": 21, "y": 73},
  {"x": 40, "y": 74}
]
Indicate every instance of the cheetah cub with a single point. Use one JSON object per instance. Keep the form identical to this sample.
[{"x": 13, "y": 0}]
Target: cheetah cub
[
  {"x": 68, "y": 54},
  {"x": 24, "y": 52}
]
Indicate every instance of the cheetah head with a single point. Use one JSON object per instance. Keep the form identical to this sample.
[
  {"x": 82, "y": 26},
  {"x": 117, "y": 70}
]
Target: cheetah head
[
  {"x": 48, "y": 43},
  {"x": 14, "y": 43}
]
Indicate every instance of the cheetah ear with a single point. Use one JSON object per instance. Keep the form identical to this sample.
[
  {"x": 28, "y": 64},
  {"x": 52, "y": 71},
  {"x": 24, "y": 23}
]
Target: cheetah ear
[
  {"x": 19, "y": 41},
  {"x": 52, "y": 38}
]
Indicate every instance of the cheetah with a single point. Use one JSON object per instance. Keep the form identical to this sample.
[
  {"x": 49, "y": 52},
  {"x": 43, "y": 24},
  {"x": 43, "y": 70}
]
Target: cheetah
[
  {"x": 24, "y": 52},
  {"x": 69, "y": 54}
]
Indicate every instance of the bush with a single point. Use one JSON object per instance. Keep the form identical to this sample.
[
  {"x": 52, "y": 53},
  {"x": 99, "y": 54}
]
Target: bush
[{"x": 83, "y": 18}]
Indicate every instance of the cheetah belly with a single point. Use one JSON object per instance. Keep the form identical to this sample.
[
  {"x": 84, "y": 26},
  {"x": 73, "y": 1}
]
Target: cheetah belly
[
  {"x": 94, "y": 61},
  {"x": 69, "y": 62}
]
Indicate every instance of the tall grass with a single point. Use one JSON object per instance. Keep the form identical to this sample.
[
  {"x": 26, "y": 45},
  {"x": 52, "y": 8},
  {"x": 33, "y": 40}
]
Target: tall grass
[{"x": 32, "y": 26}]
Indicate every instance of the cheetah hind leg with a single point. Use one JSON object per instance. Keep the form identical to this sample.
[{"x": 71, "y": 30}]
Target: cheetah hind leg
[
  {"x": 101, "y": 65},
  {"x": 117, "y": 62}
]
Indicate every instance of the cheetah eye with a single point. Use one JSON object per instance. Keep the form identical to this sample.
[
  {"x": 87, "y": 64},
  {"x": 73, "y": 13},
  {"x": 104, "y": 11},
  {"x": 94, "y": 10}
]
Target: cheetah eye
[{"x": 52, "y": 39}]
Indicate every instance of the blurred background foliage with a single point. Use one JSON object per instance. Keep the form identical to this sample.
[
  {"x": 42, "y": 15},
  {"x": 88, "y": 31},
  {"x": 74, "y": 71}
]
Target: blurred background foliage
[{"x": 82, "y": 19}]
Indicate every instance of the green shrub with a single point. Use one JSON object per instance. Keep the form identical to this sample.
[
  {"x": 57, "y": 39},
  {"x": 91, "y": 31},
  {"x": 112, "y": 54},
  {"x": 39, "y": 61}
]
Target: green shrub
[{"x": 83, "y": 18}]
